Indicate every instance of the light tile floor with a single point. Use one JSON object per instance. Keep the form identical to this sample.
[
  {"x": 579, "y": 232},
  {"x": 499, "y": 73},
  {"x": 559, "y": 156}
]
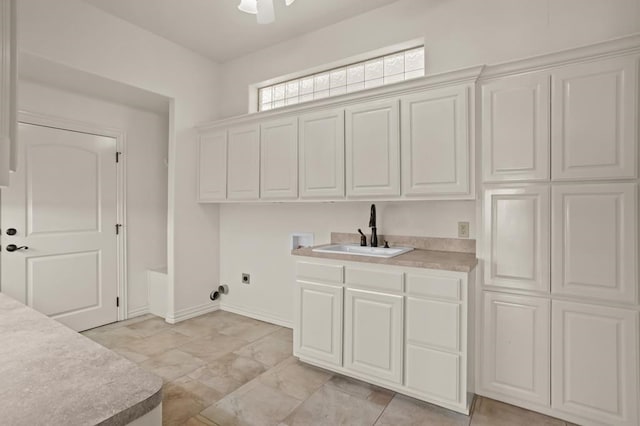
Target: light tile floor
[{"x": 226, "y": 369}]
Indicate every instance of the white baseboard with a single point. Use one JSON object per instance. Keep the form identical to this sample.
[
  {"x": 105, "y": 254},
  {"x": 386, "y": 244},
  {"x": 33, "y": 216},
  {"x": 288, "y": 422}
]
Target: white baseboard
[
  {"x": 137, "y": 312},
  {"x": 195, "y": 311},
  {"x": 261, "y": 316}
]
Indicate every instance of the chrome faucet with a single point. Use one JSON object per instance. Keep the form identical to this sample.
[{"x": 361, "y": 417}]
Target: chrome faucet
[{"x": 374, "y": 228}]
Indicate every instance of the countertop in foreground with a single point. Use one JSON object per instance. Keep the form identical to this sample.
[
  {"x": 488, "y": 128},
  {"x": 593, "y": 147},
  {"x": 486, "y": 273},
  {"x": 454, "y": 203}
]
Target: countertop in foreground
[{"x": 49, "y": 374}]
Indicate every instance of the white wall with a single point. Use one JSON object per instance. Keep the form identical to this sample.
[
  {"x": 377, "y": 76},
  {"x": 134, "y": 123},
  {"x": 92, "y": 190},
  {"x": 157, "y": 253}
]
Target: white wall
[
  {"x": 80, "y": 36},
  {"x": 147, "y": 143},
  {"x": 256, "y": 239},
  {"x": 457, "y": 33}
]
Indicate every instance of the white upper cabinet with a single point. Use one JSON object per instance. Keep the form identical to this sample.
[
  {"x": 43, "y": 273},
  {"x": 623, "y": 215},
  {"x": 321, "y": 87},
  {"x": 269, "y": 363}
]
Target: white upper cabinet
[
  {"x": 321, "y": 143},
  {"x": 515, "y": 128},
  {"x": 279, "y": 159},
  {"x": 516, "y": 347},
  {"x": 594, "y": 251},
  {"x": 243, "y": 167},
  {"x": 436, "y": 142},
  {"x": 516, "y": 237},
  {"x": 594, "y": 120},
  {"x": 8, "y": 83},
  {"x": 212, "y": 166},
  {"x": 373, "y": 149},
  {"x": 595, "y": 362}
]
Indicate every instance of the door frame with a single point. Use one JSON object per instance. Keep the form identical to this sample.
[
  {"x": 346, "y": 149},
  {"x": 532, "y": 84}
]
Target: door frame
[{"x": 45, "y": 120}]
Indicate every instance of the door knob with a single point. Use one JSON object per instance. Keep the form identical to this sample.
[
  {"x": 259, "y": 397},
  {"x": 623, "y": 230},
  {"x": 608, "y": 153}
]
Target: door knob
[
  {"x": 12, "y": 231},
  {"x": 13, "y": 247}
]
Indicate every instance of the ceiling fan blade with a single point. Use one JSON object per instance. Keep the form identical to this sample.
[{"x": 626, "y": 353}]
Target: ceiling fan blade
[
  {"x": 266, "y": 13},
  {"x": 248, "y": 6}
]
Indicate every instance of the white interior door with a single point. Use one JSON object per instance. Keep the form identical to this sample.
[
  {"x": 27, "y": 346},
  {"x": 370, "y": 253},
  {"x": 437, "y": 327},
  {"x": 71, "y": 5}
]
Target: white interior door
[{"x": 62, "y": 205}]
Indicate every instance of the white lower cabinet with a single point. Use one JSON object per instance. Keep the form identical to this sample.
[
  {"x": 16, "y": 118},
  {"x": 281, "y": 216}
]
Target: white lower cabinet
[
  {"x": 319, "y": 320},
  {"x": 405, "y": 329},
  {"x": 373, "y": 334},
  {"x": 433, "y": 362},
  {"x": 515, "y": 347},
  {"x": 595, "y": 362}
]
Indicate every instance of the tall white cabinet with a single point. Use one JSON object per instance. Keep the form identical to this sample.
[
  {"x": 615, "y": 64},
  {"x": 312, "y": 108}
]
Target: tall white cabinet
[
  {"x": 595, "y": 119},
  {"x": 559, "y": 219},
  {"x": 8, "y": 84},
  {"x": 515, "y": 128},
  {"x": 516, "y": 237}
]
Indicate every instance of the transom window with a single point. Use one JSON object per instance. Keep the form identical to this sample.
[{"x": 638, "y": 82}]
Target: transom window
[{"x": 398, "y": 66}]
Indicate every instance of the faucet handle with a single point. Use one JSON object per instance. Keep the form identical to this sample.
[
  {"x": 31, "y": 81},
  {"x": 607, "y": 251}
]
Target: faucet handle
[
  {"x": 386, "y": 244},
  {"x": 363, "y": 238}
]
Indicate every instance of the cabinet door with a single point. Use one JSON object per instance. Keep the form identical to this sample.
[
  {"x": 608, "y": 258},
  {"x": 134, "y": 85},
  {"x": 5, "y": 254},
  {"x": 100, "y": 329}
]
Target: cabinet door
[
  {"x": 279, "y": 159},
  {"x": 322, "y": 155},
  {"x": 515, "y": 347},
  {"x": 515, "y": 128},
  {"x": 8, "y": 83},
  {"x": 373, "y": 334},
  {"x": 433, "y": 364},
  {"x": 594, "y": 247},
  {"x": 516, "y": 237},
  {"x": 436, "y": 142},
  {"x": 318, "y": 322},
  {"x": 595, "y": 362},
  {"x": 243, "y": 167},
  {"x": 594, "y": 120},
  {"x": 212, "y": 166},
  {"x": 373, "y": 149}
]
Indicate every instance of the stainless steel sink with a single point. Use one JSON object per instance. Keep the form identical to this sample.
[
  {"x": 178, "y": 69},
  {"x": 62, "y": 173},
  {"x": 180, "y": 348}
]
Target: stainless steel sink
[{"x": 358, "y": 250}]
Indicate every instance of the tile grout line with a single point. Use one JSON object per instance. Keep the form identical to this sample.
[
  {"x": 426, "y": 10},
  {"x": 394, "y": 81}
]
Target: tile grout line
[{"x": 383, "y": 410}]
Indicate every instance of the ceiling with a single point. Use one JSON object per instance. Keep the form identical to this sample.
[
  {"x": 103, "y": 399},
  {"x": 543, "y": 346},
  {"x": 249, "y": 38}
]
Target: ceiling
[{"x": 219, "y": 31}]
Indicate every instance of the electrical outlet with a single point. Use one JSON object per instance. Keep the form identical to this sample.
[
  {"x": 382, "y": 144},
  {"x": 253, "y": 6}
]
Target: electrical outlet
[
  {"x": 463, "y": 229},
  {"x": 246, "y": 279}
]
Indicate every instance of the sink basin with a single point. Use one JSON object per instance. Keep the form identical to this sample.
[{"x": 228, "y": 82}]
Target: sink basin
[{"x": 357, "y": 250}]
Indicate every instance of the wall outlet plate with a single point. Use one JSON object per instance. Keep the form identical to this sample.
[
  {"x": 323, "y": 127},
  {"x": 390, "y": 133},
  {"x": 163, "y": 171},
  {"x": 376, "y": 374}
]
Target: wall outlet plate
[
  {"x": 246, "y": 279},
  {"x": 463, "y": 229}
]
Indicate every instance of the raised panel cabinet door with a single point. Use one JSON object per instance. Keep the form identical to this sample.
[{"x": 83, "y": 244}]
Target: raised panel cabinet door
[
  {"x": 516, "y": 347},
  {"x": 594, "y": 120},
  {"x": 243, "y": 163},
  {"x": 212, "y": 166},
  {"x": 594, "y": 241},
  {"x": 516, "y": 237},
  {"x": 373, "y": 149},
  {"x": 435, "y": 142},
  {"x": 594, "y": 362},
  {"x": 321, "y": 144},
  {"x": 373, "y": 334},
  {"x": 279, "y": 159},
  {"x": 318, "y": 322},
  {"x": 515, "y": 128}
]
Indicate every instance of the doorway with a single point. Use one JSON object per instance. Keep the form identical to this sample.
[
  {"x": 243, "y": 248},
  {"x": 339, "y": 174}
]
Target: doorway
[{"x": 61, "y": 220}]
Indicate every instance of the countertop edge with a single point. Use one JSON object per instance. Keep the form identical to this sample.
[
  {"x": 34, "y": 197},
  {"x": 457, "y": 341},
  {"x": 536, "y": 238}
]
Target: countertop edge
[
  {"x": 464, "y": 265},
  {"x": 135, "y": 411}
]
